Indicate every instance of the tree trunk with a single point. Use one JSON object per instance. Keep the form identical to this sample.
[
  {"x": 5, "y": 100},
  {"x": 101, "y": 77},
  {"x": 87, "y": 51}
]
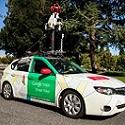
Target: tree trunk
[
  {"x": 92, "y": 50},
  {"x": 92, "y": 56}
]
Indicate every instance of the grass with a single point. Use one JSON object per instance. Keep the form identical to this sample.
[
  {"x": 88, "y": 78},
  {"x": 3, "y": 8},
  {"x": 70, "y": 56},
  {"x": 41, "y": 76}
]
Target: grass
[
  {"x": 122, "y": 78},
  {"x": 117, "y": 75}
]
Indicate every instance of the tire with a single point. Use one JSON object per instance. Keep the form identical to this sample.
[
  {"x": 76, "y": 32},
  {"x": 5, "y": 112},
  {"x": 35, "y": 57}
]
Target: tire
[
  {"x": 7, "y": 91},
  {"x": 72, "y": 104}
]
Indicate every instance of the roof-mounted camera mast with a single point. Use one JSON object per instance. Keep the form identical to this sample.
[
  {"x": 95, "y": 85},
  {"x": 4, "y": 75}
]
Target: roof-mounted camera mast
[{"x": 55, "y": 24}]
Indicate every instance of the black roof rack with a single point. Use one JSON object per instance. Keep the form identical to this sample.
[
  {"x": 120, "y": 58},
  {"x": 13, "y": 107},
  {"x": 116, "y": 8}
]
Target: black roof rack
[{"x": 46, "y": 53}]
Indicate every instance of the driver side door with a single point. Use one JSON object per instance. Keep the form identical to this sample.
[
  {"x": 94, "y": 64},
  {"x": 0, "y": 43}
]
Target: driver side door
[{"x": 41, "y": 86}]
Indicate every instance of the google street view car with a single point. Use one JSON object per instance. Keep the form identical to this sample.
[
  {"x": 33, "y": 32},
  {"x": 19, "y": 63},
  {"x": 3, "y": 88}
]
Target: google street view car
[{"x": 62, "y": 83}]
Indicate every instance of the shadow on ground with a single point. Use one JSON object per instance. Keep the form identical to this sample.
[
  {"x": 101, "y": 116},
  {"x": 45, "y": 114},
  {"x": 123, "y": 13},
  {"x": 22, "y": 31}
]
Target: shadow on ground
[{"x": 98, "y": 118}]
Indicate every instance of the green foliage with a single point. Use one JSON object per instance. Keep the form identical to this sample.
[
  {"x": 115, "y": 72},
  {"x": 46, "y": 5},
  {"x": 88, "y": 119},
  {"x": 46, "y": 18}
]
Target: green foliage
[
  {"x": 6, "y": 60},
  {"x": 85, "y": 61},
  {"x": 122, "y": 78},
  {"x": 94, "y": 24},
  {"x": 114, "y": 9},
  {"x": 118, "y": 38},
  {"x": 121, "y": 63},
  {"x": 23, "y": 26},
  {"x": 88, "y": 25},
  {"x": 106, "y": 60}
]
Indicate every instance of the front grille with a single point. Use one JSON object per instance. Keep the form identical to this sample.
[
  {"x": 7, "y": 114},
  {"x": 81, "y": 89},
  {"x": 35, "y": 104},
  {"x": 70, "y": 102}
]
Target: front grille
[{"x": 120, "y": 91}]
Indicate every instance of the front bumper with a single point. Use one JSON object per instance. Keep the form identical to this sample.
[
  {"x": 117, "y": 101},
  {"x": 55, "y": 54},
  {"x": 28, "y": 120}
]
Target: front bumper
[
  {"x": 104, "y": 105},
  {"x": 117, "y": 105}
]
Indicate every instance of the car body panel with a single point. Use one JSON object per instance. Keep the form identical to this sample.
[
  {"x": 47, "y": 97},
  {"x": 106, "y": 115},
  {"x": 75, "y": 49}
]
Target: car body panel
[
  {"x": 41, "y": 87},
  {"x": 48, "y": 88}
]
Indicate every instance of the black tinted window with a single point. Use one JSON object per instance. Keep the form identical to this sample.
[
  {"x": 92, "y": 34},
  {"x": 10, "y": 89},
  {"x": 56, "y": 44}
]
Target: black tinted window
[
  {"x": 13, "y": 65},
  {"x": 38, "y": 64},
  {"x": 66, "y": 67},
  {"x": 23, "y": 65}
]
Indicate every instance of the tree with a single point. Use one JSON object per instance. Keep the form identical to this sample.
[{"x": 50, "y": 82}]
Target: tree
[
  {"x": 107, "y": 61},
  {"x": 120, "y": 66},
  {"x": 88, "y": 26},
  {"x": 23, "y": 26},
  {"x": 82, "y": 24},
  {"x": 114, "y": 11},
  {"x": 118, "y": 38},
  {"x": 95, "y": 22}
]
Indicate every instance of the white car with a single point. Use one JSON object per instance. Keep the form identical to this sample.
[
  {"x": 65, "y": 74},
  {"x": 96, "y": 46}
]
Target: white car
[{"x": 62, "y": 83}]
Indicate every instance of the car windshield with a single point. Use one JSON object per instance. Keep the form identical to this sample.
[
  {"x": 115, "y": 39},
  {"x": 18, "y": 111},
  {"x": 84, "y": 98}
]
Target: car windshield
[{"x": 66, "y": 67}]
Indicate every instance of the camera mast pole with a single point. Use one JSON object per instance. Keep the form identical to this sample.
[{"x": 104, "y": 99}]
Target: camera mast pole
[{"x": 55, "y": 24}]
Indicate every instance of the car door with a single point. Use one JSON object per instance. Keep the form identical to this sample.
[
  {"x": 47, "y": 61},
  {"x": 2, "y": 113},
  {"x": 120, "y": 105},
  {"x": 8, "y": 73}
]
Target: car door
[
  {"x": 19, "y": 77},
  {"x": 41, "y": 86}
]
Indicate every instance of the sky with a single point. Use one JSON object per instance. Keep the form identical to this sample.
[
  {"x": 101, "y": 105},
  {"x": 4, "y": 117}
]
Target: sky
[
  {"x": 114, "y": 51},
  {"x": 3, "y": 11}
]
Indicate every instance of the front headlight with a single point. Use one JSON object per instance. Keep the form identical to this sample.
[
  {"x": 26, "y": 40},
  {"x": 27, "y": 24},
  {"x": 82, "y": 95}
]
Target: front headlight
[{"x": 105, "y": 90}]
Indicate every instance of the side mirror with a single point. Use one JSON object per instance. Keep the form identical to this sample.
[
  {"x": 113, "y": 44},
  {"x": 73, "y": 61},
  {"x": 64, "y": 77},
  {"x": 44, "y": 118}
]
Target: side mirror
[{"x": 45, "y": 71}]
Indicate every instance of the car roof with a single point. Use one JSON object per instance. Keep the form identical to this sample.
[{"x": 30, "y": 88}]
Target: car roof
[
  {"x": 28, "y": 58},
  {"x": 47, "y": 57}
]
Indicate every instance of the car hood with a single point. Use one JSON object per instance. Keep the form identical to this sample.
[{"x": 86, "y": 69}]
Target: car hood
[{"x": 93, "y": 79}]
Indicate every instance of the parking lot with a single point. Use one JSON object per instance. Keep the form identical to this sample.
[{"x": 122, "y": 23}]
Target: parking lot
[{"x": 18, "y": 112}]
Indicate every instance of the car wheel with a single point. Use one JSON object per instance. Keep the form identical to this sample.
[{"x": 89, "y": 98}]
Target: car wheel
[
  {"x": 72, "y": 104},
  {"x": 7, "y": 91}
]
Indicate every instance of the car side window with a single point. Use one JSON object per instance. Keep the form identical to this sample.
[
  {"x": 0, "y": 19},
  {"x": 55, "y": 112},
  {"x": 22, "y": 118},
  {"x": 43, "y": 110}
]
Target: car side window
[
  {"x": 23, "y": 65},
  {"x": 13, "y": 65},
  {"x": 38, "y": 64}
]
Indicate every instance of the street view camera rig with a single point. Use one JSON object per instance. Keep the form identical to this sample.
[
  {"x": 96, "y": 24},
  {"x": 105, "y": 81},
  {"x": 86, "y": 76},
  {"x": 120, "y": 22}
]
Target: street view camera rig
[{"x": 54, "y": 24}]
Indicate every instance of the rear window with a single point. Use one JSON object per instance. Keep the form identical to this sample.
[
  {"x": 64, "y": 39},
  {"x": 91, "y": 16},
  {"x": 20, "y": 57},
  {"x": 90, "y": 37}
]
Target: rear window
[
  {"x": 21, "y": 64},
  {"x": 14, "y": 64}
]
